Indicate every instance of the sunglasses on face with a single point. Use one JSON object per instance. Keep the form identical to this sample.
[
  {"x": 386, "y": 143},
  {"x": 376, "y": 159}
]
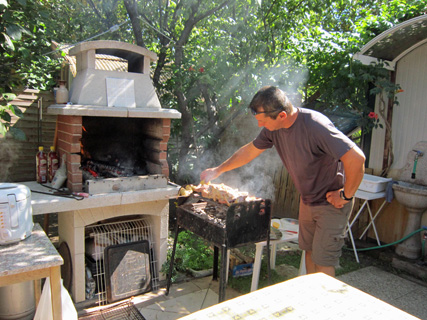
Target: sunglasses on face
[{"x": 254, "y": 112}]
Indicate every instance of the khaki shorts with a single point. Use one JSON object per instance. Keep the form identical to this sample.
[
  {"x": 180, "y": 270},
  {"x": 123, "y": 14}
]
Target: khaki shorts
[{"x": 322, "y": 231}]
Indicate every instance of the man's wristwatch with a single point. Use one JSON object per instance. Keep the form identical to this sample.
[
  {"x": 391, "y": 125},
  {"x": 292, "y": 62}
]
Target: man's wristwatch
[{"x": 342, "y": 196}]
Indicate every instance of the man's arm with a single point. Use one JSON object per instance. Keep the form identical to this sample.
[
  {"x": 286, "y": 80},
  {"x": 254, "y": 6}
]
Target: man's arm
[
  {"x": 241, "y": 157},
  {"x": 354, "y": 168}
]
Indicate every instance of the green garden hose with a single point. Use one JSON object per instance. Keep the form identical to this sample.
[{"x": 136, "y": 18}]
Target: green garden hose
[{"x": 393, "y": 243}]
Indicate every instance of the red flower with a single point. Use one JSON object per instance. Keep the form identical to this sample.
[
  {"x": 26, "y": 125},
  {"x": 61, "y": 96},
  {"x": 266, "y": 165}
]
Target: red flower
[
  {"x": 372, "y": 115},
  {"x": 400, "y": 90},
  {"x": 191, "y": 68},
  {"x": 202, "y": 69}
]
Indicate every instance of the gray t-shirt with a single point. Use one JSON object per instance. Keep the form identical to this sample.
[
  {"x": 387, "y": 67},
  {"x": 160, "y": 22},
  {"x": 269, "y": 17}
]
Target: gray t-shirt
[{"x": 310, "y": 150}]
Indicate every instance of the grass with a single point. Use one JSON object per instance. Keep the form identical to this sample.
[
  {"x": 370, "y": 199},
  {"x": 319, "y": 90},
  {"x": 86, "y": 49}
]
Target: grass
[
  {"x": 290, "y": 258},
  {"x": 243, "y": 284}
]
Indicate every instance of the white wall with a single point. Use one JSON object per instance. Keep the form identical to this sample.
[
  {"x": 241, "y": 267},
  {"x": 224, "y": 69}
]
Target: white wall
[{"x": 410, "y": 117}]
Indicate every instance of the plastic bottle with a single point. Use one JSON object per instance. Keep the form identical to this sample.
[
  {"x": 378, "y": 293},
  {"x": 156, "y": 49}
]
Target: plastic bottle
[
  {"x": 62, "y": 93},
  {"x": 41, "y": 165},
  {"x": 60, "y": 175},
  {"x": 52, "y": 163}
]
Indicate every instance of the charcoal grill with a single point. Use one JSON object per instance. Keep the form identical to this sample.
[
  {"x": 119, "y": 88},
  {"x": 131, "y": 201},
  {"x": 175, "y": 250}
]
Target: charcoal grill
[{"x": 226, "y": 227}]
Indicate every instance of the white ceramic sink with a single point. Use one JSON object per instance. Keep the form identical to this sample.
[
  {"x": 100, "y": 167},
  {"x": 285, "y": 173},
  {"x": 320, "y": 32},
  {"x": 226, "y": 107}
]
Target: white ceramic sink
[
  {"x": 411, "y": 195},
  {"x": 414, "y": 198}
]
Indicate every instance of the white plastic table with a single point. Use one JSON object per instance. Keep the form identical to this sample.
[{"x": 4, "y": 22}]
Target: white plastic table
[
  {"x": 286, "y": 237},
  {"x": 366, "y": 196}
]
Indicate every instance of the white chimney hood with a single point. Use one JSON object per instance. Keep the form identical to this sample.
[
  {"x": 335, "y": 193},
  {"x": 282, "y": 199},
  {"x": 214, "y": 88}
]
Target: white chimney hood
[{"x": 105, "y": 93}]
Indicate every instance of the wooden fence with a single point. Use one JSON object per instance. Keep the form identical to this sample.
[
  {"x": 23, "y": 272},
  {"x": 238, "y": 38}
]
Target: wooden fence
[
  {"x": 18, "y": 158},
  {"x": 286, "y": 199}
]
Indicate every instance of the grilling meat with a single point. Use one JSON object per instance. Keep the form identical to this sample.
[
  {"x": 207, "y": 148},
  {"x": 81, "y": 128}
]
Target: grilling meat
[{"x": 221, "y": 193}]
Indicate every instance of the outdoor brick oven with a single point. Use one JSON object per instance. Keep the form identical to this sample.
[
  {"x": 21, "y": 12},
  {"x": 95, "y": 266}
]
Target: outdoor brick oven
[{"x": 114, "y": 119}]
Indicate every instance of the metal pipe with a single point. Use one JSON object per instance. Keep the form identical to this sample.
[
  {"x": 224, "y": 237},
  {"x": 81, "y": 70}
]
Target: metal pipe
[{"x": 418, "y": 154}]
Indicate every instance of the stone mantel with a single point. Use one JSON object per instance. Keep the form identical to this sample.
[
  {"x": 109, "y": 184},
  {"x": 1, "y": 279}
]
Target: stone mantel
[{"x": 42, "y": 203}]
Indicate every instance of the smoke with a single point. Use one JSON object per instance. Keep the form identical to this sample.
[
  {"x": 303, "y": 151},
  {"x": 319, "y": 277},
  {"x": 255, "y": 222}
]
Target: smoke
[{"x": 257, "y": 177}]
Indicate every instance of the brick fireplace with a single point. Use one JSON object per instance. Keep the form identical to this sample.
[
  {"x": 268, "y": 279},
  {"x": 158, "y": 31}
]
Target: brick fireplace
[{"x": 69, "y": 135}]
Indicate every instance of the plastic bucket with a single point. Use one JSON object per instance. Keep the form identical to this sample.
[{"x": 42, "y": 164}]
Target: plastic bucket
[{"x": 17, "y": 301}]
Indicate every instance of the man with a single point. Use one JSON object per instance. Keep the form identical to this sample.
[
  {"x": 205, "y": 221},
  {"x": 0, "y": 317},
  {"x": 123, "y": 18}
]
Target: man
[{"x": 316, "y": 155}]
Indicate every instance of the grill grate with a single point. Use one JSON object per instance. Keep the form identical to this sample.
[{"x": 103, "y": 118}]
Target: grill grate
[
  {"x": 115, "y": 233},
  {"x": 123, "y": 311}
]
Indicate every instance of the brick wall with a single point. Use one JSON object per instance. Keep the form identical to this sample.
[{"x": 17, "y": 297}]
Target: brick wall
[
  {"x": 69, "y": 136},
  {"x": 164, "y": 146}
]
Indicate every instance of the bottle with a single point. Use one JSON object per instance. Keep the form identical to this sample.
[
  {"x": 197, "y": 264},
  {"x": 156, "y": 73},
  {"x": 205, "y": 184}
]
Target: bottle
[
  {"x": 60, "y": 175},
  {"x": 62, "y": 93},
  {"x": 41, "y": 164},
  {"x": 52, "y": 163}
]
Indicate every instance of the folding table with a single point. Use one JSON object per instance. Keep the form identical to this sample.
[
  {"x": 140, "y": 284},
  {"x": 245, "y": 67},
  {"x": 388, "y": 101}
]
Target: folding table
[{"x": 366, "y": 196}]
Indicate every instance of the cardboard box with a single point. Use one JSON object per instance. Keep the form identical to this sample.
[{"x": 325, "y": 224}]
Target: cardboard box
[
  {"x": 242, "y": 270},
  {"x": 373, "y": 184}
]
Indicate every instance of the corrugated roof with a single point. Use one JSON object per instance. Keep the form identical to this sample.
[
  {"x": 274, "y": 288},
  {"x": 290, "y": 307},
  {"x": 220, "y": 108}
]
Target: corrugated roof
[
  {"x": 102, "y": 62},
  {"x": 396, "y": 42}
]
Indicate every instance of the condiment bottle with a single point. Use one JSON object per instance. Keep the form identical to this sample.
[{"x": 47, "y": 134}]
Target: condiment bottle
[
  {"x": 52, "y": 163},
  {"x": 41, "y": 164}
]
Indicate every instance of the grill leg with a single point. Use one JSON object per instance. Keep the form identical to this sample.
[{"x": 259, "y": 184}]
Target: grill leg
[
  {"x": 222, "y": 277},
  {"x": 268, "y": 256},
  {"x": 215, "y": 264},
  {"x": 177, "y": 230}
]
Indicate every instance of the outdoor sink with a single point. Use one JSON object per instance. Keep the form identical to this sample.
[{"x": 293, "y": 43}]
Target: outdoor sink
[
  {"x": 414, "y": 198},
  {"x": 411, "y": 195}
]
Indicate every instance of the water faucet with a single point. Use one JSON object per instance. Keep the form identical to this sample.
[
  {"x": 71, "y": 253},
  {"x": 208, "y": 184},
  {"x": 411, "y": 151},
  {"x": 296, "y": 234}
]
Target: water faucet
[{"x": 418, "y": 154}]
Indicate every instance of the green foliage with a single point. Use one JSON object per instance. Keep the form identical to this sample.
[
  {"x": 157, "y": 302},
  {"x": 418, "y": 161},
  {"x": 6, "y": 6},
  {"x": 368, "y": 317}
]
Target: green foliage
[
  {"x": 22, "y": 63},
  {"x": 5, "y": 110},
  {"x": 214, "y": 55},
  {"x": 351, "y": 87},
  {"x": 22, "y": 44},
  {"x": 192, "y": 252},
  {"x": 304, "y": 47}
]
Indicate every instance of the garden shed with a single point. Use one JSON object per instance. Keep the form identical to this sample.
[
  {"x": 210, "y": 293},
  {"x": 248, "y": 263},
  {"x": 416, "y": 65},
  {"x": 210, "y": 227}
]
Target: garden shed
[{"x": 403, "y": 49}]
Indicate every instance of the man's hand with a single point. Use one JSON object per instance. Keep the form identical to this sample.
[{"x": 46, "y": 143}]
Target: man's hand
[
  {"x": 241, "y": 157},
  {"x": 209, "y": 174},
  {"x": 333, "y": 197}
]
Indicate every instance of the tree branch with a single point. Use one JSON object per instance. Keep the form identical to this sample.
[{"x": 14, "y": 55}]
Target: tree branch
[{"x": 132, "y": 10}]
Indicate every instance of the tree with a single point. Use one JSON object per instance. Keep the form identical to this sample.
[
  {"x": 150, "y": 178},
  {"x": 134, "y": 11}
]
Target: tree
[
  {"x": 213, "y": 56},
  {"x": 22, "y": 63},
  {"x": 216, "y": 64}
]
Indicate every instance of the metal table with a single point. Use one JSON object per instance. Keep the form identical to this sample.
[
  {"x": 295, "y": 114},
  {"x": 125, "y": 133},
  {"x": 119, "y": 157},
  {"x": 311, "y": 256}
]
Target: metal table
[{"x": 32, "y": 259}]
